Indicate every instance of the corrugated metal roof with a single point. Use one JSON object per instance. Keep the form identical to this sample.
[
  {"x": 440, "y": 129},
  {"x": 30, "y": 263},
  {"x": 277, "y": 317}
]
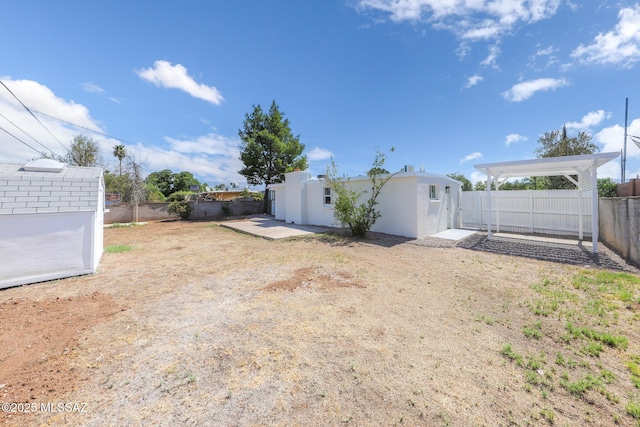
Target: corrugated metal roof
[{"x": 73, "y": 189}]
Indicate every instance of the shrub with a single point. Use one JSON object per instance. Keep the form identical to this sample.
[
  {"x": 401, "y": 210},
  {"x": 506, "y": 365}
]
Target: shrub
[
  {"x": 348, "y": 208},
  {"x": 180, "y": 204}
]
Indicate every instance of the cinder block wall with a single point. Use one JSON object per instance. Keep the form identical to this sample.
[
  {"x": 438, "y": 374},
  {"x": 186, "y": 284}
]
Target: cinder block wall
[
  {"x": 147, "y": 211},
  {"x": 202, "y": 210}
]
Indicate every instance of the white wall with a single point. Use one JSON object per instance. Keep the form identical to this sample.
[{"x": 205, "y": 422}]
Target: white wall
[
  {"x": 98, "y": 227},
  {"x": 404, "y": 203},
  {"x": 281, "y": 201},
  {"x": 436, "y": 215},
  {"x": 317, "y": 212},
  {"x": 398, "y": 204},
  {"x": 39, "y": 247},
  {"x": 295, "y": 197}
]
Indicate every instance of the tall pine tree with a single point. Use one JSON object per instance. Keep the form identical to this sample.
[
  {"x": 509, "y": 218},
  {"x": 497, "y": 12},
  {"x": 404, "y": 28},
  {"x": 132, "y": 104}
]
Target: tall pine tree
[{"x": 269, "y": 148}]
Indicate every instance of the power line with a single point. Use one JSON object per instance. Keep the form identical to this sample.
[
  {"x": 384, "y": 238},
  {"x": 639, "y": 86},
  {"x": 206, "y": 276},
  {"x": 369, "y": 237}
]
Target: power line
[
  {"x": 37, "y": 151},
  {"x": 33, "y": 115},
  {"x": 25, "y": 132},
  {"x": 83, "y": 127},
  {"x": 123, "y": 140}
]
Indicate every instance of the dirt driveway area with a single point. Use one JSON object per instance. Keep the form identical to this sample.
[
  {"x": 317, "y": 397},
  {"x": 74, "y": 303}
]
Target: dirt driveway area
[{"x": 194, "y": 324}]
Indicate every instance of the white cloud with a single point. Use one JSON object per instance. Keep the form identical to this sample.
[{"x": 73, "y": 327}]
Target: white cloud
[
  {"x": 546, "y": 51},
  {"x": 620, "y": 46},
  {"x": 92, "y": 88},
  {"x": 612, "y": 139},
  {"x": 38, "y": 98},
  {"x": 472, "y": 156},
  {"x": 472, "y": 81},
  {"x": 318, "y": 153},
  {"x": 469, "y": 19},
  {"x": 593, "y": 118},
  {"x": 213, "y": 158},
  {"x": 165, "y": 74},
  {"x": 490, "y": 60},
  {"x": 477, "y": 176},
  {"x": 514, "y": 137},
  {"x": 525, "y": 90}
]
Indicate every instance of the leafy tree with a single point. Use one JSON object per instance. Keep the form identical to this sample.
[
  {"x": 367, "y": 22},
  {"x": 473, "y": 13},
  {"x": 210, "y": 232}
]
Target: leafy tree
[
  {"x": 349, "y": 209},
  {"x": 120, "y": 152},
  {"x": 183, "y": 181},
  {"x": 466, "y": 184},
  {"x": 555, "y": 144},
  {"x": 163, "y": 180},
  {"x": 153, "y": 193},
  {"x": 269, "y": 148},
  {"x": 130, "y": 184},
  {"x": 221, "y": 187},
  {"x": 168, "y": 182},
  {"x": 84, "y": 151},
  {"x": 607, "y": 188}
]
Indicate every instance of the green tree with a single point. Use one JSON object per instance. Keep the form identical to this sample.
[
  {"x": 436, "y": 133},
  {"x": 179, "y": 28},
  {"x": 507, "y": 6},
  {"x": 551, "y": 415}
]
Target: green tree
[
  {"x": 183, "y": 181},
  {"x": 466, "y": 184},
  {"x": 555, "y": 144},
  {"x": 349, "y": 209},
  {"x": 84, "y": 151},
  {"x": 120, "y": 152},
  {"x": 163, "y": 180},
  {"x": 269, "y": 148},
  {"x": 607, "y": 188}
]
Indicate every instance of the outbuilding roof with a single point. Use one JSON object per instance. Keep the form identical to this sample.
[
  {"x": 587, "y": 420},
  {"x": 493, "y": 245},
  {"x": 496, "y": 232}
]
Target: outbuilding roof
[{"x": 45, "y": 187}]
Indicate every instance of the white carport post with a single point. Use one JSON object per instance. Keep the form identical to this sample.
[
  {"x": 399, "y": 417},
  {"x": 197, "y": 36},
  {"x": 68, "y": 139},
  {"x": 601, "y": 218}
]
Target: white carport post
[
  {"x": 595, "y": 228},
  {"x": 489, "y": 180}
]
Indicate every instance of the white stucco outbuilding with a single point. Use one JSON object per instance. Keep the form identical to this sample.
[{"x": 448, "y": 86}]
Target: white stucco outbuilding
[
  {"x": 412, "y": 204},
  {"x": 51, "y": 221}
]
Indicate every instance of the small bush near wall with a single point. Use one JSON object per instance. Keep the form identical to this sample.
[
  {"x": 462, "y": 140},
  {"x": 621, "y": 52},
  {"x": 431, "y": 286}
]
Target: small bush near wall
[{"x": 182, "y": 208}]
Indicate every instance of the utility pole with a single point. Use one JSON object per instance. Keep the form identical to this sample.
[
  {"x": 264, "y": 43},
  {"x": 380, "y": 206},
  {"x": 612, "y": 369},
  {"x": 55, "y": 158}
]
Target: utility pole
[{"x": 624, "y": 149}]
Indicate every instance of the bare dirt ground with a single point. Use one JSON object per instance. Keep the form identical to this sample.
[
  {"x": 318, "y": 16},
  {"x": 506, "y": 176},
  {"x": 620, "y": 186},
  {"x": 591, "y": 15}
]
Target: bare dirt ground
[{"x": 199, "y": 325}]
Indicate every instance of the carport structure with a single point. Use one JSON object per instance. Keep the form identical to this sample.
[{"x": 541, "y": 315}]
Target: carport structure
[{"x": 585, "y": 166}]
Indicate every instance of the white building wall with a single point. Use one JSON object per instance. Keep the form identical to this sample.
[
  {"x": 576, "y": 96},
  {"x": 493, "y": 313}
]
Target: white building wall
[
  {"x": 404, "y": 203},
  {"x": 441, "y": 213},
  {"x": 397, "y": 205},
  {"x": 317, "y": 212},
  {"x": 295, "y": 199},
  {"x": 39, "y": 247},
  {"x": 98, "y": 227},
  {"x": 280, "y": 211}
]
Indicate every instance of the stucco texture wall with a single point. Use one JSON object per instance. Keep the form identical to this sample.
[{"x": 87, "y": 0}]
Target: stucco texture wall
[{"x": 619, "y": 223}]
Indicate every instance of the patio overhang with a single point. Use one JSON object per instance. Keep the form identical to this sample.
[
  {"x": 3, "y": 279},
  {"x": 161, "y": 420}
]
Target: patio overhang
[{"x": 585, "y": 166}]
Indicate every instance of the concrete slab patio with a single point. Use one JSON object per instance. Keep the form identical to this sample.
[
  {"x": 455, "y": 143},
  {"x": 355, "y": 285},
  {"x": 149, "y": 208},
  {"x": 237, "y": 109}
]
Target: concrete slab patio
[{"x": 271, "y": 229}]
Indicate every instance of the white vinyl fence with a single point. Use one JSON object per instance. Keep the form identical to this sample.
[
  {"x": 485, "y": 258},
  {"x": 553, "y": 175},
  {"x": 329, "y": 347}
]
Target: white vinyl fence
[{"x": 529, "y": 211}]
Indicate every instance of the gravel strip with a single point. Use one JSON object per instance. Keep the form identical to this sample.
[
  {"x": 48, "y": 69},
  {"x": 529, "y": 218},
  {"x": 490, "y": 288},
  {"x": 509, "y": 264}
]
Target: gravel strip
[{"x": 554, "y": 252}]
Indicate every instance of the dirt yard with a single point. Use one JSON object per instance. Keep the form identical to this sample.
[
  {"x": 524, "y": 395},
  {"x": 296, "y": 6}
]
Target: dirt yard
[{"x": 199, "y": 325}]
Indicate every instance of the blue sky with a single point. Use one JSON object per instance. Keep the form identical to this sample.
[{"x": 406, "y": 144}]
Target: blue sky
[{"x": 448, "y": 83}]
